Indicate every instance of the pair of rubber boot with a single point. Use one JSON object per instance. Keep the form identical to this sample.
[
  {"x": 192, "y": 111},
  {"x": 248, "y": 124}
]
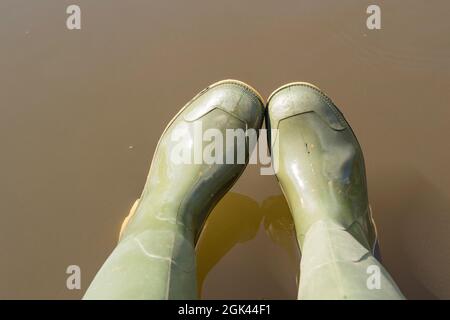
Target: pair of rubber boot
[{"x": 320, "y": 168}]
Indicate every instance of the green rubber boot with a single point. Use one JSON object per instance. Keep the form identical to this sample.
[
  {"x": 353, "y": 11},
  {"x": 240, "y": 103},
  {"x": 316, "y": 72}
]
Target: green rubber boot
[
  {"x": 320, "y": 168},
  {"x": 190, "y": 172}
]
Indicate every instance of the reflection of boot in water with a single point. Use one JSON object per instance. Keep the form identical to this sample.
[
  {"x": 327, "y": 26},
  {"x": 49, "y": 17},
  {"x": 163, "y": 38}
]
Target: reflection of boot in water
[
  {"x": 155, "y": 257},
  {"x": 279, "y": 227},
  {"x": 320, "y": 168},
  {"x": 237, "y": 219}
]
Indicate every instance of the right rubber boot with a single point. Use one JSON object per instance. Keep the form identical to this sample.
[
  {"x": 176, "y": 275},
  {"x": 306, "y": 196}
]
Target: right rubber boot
[
  {"x": 319, "y": 163},
  {"x": 320, "y": 168},
  {"x": 155, "y": 257}
]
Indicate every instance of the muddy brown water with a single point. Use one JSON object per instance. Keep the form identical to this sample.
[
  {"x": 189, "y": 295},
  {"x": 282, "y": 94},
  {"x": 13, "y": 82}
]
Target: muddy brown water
[{"x": 81, "y": 113}]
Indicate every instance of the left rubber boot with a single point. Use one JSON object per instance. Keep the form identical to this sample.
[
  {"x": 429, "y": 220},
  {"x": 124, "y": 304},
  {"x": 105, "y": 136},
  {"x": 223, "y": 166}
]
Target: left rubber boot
[{"x": 190, "y": 172}]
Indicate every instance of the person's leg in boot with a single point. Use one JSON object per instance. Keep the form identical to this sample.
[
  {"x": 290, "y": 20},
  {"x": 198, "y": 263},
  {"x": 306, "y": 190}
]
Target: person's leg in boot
[
  {"x": 320, "y": 168},
  {"x": 189, "y": 173}
]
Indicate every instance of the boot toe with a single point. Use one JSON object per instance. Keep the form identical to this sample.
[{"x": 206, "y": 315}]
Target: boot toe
[
  {"x": 231, "y": 96},
  {"x": 300, "y": 97}
]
